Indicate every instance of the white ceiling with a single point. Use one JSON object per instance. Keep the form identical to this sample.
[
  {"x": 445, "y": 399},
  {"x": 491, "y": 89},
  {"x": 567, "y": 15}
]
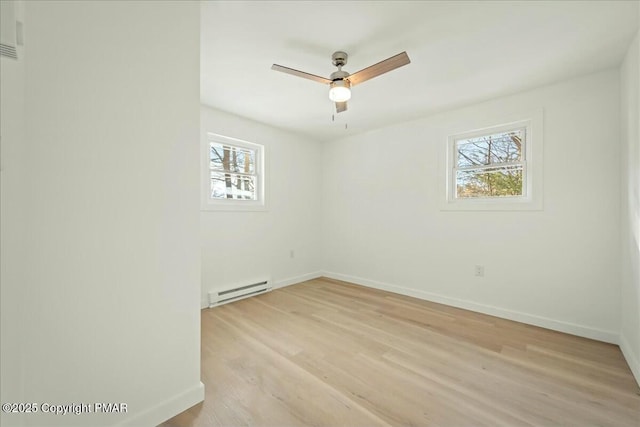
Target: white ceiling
[{"x": 461, "y": 53}]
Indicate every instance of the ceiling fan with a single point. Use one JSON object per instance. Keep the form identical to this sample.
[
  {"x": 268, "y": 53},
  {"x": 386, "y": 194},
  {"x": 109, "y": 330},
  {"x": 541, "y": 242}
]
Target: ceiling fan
[{"x": 340, "y": 82}]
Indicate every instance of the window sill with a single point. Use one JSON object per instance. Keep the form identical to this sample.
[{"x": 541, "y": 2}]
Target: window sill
[
  {"x": 492, "y": 205},
  {"x": 229, "y": 206}
]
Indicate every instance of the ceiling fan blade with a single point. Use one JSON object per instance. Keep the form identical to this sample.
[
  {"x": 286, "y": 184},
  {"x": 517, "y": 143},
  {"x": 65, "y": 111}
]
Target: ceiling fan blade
[
  {"x": 341, "y": 106},
  {"x": 302, "y": 74},
  {"x": 381, "y": 67}
]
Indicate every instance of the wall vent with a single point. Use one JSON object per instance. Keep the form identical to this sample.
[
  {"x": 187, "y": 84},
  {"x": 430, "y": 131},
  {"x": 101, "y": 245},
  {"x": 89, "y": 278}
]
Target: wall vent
[
  {"x": 8, "y": 41},
  {"x": 223, "y": 296}
]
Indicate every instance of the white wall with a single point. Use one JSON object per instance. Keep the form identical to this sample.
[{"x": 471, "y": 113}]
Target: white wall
[
  {"x": 111, "y": 209},
  {"x": 12, "y": 227},
  {"x": 558, "y": 267},
  {"x": 630, "y": 90},
  {"x": 241, "y": 246}
]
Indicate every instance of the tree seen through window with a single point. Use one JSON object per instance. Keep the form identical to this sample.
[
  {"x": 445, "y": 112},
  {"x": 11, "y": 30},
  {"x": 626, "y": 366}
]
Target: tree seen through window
[
  {"x": 490, "y": 165},
  {"x": 233, "y": 172}
]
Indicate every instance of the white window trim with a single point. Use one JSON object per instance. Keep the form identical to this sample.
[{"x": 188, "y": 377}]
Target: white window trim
[
  {"x": 531, "y": 198},
  {"x": 210, "y": 204}
]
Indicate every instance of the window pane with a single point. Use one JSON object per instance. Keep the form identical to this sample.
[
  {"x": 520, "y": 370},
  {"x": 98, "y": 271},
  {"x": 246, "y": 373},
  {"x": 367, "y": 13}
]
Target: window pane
[
  {"x": 232, "y": 159},
  {"x": 233, "y": 186},
  {"x": 491, "y": 149},
  {"x": 491, "y": 182}
]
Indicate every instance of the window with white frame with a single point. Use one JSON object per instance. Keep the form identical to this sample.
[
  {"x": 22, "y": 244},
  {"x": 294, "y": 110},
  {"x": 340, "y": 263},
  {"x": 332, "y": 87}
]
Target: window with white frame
[
  {"x": 234, "y": 174},
  {"x": 494, "y": 168}
]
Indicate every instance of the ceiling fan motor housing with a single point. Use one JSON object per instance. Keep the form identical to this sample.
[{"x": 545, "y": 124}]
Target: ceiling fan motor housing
[{"x": 339, "y": 58}]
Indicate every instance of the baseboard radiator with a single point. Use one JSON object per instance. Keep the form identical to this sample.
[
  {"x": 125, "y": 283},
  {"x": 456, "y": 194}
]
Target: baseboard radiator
[{"x": 223, "y": 296}]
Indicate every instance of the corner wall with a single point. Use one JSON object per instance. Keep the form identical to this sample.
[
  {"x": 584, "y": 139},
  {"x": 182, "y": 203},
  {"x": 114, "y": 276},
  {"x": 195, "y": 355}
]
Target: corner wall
[
  {"x": 110, "y": 211},
  {"x": 240, "y": 247},
  {"x": 630, "y": 220},
  {"x": 556, "y": 268}
]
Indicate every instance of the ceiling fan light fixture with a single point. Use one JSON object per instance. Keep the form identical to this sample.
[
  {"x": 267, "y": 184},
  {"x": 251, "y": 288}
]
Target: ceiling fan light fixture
[{"x": 340, "y": 91}]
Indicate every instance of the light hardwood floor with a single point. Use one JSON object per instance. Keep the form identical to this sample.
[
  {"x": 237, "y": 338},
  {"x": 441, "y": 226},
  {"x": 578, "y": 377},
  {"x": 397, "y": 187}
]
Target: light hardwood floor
[{"x": 330, "y": 353}]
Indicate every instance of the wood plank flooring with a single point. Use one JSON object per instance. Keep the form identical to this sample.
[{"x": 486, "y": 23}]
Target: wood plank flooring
[{"x": 330, "y": 353}]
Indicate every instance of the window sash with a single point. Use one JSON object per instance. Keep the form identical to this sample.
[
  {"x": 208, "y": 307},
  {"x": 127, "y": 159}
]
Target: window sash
[
  {"x": 239, "y": 150},
  {"x": 469, "y": 139},
  {"x": 518, "y": 169},
  {"x": 234, "y": 191},
  {"x": 491, "y": 167}
]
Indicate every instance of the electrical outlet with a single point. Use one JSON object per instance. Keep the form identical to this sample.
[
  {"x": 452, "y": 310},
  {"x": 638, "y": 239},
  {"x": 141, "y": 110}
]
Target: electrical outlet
[{"x": 479, "y": 271}]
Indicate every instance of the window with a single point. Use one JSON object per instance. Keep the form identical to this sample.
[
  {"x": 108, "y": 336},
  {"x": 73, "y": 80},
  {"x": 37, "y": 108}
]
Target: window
[
  {"x": 490, "y": 165},
  {"x": 496, "y": 168},
  {"x": 234, "y": 174}
]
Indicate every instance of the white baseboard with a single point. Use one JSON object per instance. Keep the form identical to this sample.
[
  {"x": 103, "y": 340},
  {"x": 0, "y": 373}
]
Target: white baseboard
[
  {"x": 531, "y": 319},
  {"x": 633, "y": 360},
  {"x": 164, "y": 410},
  {"x": 297, "y": 279}
]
